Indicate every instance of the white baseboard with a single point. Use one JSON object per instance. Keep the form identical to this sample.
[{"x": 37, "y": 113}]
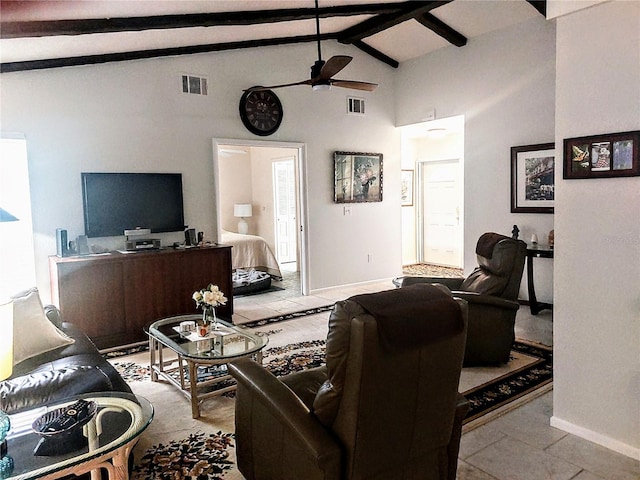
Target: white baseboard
[
  {"x": 318, "y": 291},
  {"x": 596, "y": 438}
]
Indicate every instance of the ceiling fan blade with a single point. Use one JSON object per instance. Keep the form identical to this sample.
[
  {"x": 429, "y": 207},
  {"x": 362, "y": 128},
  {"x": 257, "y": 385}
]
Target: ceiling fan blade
[
  {"x": 262, "y": 89},
  {"x": 333, "y": 66},
  {"x": 369, "y": 87}
]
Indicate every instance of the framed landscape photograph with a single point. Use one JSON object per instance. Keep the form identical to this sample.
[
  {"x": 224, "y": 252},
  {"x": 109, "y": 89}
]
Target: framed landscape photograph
[
  {"x": 602, "y": 156},
  {"x": 532, "y": 178},
  {"x": 357, "y": 177},
  {"x": 406, "y": 188}
]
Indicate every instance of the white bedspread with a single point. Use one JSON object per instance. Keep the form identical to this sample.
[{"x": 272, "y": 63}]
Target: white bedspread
[{"x": 251, "y": 251}]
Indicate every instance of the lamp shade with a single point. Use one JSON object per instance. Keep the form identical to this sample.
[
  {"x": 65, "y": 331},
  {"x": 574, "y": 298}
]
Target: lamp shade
[
  {"x": 6, "y": 338},
  {"x": 6, "y": 216},
  {"x": 242, "y": 210}
]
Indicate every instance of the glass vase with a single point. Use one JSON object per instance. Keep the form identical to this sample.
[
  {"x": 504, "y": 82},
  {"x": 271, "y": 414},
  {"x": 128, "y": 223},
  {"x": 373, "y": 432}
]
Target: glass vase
[{"x": 209, "y": 318}]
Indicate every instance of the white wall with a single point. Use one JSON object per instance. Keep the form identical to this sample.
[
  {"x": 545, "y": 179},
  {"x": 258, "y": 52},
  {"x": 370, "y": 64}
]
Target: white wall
[
  {"x": 597, "y": 300},
  {"x": 132, "y": 116},
  {"x": 235, "y": 187},
  {"x": 503, "y": 83}
]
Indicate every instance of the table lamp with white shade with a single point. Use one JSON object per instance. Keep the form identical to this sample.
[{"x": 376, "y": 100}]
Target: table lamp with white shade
[
  {"x": 242, "y": 210},
  {"x": 6, "y": 368}
]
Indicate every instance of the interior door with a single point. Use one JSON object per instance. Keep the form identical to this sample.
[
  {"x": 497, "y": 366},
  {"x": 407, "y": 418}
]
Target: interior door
[
  {"x": 285, "y": 210},
  {"x": 441, "y": 225}
]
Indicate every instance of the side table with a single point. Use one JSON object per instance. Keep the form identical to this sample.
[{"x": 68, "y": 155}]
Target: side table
[
  {"x": 111, "y": 435},
  {"x": 533, "y": 251}
]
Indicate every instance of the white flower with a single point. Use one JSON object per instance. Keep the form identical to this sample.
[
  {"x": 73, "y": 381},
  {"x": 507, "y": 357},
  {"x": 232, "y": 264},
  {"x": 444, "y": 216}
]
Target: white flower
[{"x": 210, "y": 296}]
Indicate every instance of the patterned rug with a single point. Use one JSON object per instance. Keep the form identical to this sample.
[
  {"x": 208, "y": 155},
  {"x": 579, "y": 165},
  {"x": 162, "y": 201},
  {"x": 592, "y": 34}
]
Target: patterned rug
[
  {"x": 310, "y": 354},
  {"x": 427, "y": 270},
  {"x": 198, "y": 457}
]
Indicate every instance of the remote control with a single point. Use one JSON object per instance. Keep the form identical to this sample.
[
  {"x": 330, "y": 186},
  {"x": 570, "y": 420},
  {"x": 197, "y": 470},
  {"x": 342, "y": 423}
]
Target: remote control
[{"x": 68, "y": 417}]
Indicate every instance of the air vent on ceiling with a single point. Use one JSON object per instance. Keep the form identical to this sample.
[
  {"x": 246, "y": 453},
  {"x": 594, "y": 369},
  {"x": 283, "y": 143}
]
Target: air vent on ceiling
[
  {"x": 355, "y": 106},
  {"x": 195, "y": 85}
]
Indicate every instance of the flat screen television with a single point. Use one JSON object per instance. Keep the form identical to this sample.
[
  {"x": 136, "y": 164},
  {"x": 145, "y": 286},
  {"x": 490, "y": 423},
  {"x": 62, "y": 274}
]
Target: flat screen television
[{"x": 115, "y": 202}]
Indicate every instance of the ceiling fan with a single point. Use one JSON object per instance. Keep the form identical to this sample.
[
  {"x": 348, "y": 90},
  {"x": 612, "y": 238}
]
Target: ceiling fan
[{"x": 322, "y": 72}]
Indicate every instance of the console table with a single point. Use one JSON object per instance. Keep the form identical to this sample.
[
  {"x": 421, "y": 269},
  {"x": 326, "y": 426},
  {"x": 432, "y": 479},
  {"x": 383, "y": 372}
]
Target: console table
[
  {"x": 533, "y": 251},
  {"x": 112, "y": 296}
]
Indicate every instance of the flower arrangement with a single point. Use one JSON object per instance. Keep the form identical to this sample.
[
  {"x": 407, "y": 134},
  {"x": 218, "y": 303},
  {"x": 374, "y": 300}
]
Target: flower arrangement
[{"x": 209, "y": 297}]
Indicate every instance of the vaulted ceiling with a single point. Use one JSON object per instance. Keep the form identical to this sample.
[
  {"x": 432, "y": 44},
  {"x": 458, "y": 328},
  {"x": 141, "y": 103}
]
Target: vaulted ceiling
[{"x": 49, "y": 34}]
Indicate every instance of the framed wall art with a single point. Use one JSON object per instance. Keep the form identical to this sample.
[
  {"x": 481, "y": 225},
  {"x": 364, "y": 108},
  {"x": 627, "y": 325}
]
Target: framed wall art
[
  {"x": 357, "y": 177},
  {"x": 406, "y": 188},
  {"x": 602, "y": 156},
  {"x": 532, "y": 178}
]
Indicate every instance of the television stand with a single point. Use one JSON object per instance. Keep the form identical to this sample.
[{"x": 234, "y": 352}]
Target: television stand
[{"x": 112, "y": 297}]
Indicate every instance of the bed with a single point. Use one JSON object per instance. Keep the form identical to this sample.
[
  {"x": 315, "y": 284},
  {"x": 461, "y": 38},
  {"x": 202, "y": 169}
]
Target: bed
[{"x": 251, "y": 252}]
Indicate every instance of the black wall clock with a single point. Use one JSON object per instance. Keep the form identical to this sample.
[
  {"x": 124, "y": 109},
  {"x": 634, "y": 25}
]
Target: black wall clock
[{"x": 261, "y": 112}]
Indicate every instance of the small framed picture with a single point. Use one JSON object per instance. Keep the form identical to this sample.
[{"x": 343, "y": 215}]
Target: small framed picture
[
  {"x": 602, "y": 156},
  {"x": 406, "y": 188},
  {"x": 532, "y": 178}
]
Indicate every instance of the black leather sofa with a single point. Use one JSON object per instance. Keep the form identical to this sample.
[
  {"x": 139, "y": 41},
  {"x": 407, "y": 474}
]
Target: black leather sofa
[{"x": 59, "y": 374}]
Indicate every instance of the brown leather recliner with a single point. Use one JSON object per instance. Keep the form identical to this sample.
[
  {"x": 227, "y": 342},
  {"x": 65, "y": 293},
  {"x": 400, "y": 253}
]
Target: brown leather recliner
[
  {"x": 385, "y": 406},
  {"x": 491, "y": 291}
]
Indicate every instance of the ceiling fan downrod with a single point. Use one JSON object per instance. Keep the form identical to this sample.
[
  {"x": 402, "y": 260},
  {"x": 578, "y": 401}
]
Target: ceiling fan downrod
[{"x": 318, "y": 31}]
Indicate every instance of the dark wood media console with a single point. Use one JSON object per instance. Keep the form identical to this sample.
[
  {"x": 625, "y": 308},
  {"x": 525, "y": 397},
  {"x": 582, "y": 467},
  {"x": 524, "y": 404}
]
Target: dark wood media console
[{"x": 112, "y": 297}]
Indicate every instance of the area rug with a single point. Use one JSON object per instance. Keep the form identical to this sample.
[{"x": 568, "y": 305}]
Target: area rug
[
  {"x": 178, "y": 447},
  {"x": 428, "y": 270}
]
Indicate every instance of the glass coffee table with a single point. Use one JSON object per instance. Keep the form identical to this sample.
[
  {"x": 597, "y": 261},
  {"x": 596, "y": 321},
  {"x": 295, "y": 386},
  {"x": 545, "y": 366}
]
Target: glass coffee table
[
  {"x": 206, "y": 357},
  {"x": 110, "y": 436}
]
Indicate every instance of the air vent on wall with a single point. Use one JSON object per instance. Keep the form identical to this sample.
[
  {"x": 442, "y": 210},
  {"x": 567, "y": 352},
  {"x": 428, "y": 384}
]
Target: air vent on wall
[
  {"x": 195, "y": 85},
  {"x": 355, "y": 106}
]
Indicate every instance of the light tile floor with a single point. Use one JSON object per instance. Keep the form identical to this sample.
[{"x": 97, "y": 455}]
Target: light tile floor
[{"x": 519, "y": 445}]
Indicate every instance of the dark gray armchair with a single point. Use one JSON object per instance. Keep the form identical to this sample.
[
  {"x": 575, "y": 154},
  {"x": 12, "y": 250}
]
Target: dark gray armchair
[
  {"x": 386, "y": 405},
  {"x": 491, "y": 291}
]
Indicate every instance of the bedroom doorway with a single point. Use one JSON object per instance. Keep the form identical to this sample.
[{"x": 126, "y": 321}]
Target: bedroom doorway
[{"x": 245, "y": 172}]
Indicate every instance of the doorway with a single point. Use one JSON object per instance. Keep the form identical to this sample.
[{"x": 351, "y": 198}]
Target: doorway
[
  {"x": 439, "y": 207},
  {"x": 433, "y": 220},
  {"x": 271, "y": 180},
  {"x": 284, "y": 200}
]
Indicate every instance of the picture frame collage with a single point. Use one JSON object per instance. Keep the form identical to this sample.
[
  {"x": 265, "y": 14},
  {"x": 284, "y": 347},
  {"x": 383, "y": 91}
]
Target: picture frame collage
[{"x": 602, "y": 156}]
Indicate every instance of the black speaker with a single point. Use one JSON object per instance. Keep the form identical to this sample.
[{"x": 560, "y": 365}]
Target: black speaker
[
  {"x": 190, "y": 237},
  {"x": 62, "y": 249}
]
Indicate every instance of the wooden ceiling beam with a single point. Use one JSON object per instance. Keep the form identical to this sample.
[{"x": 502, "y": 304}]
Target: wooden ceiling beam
[
  {"x": 442, "y": 29},
  {"x": 540, "y": 6},
  {"x": 161, "y": 52},
  {"x": 127, "y": 24},
  {"x": 382, "y": 22},
  {"x": 377, "y": 54}
]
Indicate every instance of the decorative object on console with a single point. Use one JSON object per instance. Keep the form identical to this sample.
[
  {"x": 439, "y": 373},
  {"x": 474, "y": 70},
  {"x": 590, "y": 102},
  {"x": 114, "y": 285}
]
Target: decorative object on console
[
  {"x": 357, "y": 177},
  {"x": 534, "y": 239},
  {"x": 242, "y": 211},
  {"x": 551, "y": 239},
  {"x": 602, "y": 156},
  {"x": 207, "y": 299},
  {"x": 515, "y": 232},
  {"x": 322, "y": 72},
  {"x": 6, "y": 368},
  {"x": 532, "y": 178}
]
